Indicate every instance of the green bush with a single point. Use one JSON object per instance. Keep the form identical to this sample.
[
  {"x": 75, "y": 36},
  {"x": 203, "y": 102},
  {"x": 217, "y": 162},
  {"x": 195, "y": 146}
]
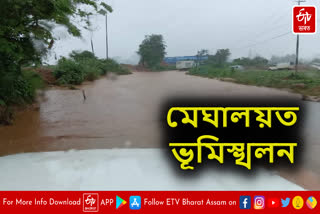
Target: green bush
[
  {"x": 19, "y": 88},
  {"x": 85, "y": 66},
  {"x": 84, "y": 55},
  {"x": 92, "y": 68},
  {"x": 14, "y": 89},
  {"x": 110, "y": 65},
  {"x": 68, "y": 71}
]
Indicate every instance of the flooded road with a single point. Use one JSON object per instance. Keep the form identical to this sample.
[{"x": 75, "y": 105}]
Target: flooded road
[{"x": 123, "y": 113}]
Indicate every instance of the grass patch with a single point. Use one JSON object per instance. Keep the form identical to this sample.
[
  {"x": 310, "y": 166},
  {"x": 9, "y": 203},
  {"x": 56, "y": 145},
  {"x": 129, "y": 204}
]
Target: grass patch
[{"x": 305, "y": 82}]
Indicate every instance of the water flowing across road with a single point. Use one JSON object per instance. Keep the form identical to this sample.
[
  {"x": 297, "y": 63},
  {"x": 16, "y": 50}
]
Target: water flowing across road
[{"x": 124, "y": 113}]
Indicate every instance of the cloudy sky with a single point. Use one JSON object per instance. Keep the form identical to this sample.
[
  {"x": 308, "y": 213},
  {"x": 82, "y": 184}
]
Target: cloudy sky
[{"x": 246, "y": 27}]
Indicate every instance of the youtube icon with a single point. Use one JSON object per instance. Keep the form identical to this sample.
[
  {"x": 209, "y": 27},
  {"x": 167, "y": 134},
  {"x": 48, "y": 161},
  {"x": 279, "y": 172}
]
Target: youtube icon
[{"x": 273, "y": 202}]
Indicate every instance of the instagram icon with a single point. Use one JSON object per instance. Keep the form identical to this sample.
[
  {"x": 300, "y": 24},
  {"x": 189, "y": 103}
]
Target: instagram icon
[{"x": 259, "y": 202}]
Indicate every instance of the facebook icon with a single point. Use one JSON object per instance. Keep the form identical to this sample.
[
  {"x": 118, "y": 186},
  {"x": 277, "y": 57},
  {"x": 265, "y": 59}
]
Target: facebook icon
[{"x": 245, "y": 202}]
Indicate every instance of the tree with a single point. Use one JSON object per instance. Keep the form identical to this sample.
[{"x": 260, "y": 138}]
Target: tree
[
  {"x": 27, "y": 25},
  {"x": 220, "y": 58},
  {"x": 257, "y": 61},
  {"x": 152, "y": 50},
  {"x": 201, "y": 54},
  {"x": 281, "y": 59}
]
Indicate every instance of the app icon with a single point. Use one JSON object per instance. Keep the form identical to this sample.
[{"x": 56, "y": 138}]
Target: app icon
[
  {"x": 90, "y": 202},
  {"x": 304, "y": 20},
  {"x": 120, "y": 202},
  {"x": 259, "y": 202},
  {"x": 245, "y": 202},
  {"x": 297, "y": 202},
  {"x": 285, "y": 203},
  {"x": 311, "y": 202},
  {"x": 135, "y": 202},
  {"x": 273, "y": 202}
]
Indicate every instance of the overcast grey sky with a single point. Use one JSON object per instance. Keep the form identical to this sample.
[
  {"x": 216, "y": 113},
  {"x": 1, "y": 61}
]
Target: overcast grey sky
[{"x": 246, "y": 27}]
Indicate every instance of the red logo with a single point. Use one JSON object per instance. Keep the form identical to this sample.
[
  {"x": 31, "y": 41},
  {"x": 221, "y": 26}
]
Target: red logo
[
  {"x": 273, "y": 202},
  {"x": 304, "y": 20},
  {"x": 90, "y": 202}
]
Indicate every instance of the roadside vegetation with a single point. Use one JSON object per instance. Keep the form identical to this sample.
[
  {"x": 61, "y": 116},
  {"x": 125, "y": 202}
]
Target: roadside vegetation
[
  {"x": 26, "y": 32},
  {"x": 17, "y": 90},
  {"x": 255, "y": 72},
  {"x": 305, "y": 82},
  {"x": 81, "y": 66}
]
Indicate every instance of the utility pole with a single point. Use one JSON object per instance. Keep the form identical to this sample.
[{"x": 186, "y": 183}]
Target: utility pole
[
  {"x": 91, "y": 33},
  {"x": 297, "y": 45},
  {"x": 107, "y": 45},
  {"x": 297, "y": 54}
]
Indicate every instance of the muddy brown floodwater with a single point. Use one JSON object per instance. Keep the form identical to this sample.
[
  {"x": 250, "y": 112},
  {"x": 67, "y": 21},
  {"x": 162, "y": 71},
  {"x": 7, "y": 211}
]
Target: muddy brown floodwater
[{"x": 123, "y": 113}]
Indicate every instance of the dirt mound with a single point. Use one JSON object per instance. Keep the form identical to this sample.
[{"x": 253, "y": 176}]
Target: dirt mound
[{"x": 46, "y": 74}]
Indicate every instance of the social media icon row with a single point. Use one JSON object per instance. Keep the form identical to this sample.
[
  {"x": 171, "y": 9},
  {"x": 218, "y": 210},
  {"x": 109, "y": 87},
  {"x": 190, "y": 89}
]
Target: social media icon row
[{"x": 259, "y": 202}]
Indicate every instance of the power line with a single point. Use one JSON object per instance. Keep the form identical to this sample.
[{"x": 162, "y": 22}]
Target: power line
[
  {"x": 268, "y": 19},
  {"x": 264, "y": 41},
  {"x": 272, "y": 29}
]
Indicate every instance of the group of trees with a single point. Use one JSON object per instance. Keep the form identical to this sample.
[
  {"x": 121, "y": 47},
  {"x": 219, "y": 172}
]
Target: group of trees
[
  {"x": 286, "y": 58},
  {"x": 202, "y": 53},
  {"x": 221, "y": 58},
  {"x": 246, "y": 61},
  {"x": 218, "y": 59}
]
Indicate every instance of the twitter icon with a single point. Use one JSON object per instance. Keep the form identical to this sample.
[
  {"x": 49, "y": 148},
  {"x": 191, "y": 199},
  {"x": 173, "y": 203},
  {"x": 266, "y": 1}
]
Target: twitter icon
[{"x": 286, "y": 202}]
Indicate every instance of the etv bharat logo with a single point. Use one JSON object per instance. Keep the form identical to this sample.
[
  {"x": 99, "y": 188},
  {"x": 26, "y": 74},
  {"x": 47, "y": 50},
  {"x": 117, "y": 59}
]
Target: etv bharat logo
[
  {"x": 304, "y": 20},
  {"x": 90, "y": 202}
]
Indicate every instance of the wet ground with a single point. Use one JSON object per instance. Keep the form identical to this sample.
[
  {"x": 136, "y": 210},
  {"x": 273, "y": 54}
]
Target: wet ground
[{"x": 123, "y": 113}]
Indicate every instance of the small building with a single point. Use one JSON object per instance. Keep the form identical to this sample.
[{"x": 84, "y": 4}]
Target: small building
[
  {"x": 237, "y": 67},
  {"x": 316, "y": 65},
  {"x": 181, "y": 65},
  {"x": 282, "y": 66},
  {"x": 174, "y": 60}
]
